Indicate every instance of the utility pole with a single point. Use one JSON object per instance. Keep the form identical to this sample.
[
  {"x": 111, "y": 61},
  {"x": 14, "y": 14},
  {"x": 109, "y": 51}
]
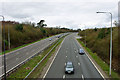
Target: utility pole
[
  {"x": 8, "y": 38},
  {"x": 3, "y": 26}
]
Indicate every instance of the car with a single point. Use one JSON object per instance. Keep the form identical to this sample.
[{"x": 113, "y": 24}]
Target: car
[
  {"x": 69, "y": 68},
  {"x": 81, "y": 51},
  {"x": 50, "y": 39}
]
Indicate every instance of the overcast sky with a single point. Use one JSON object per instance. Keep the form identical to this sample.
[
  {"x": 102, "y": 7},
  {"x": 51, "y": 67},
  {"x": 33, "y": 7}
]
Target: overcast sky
[{"x": 72, "y": 14}]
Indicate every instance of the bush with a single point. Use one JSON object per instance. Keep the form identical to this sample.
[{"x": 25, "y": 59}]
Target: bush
[
  {"x": 19, "y": 27},
  {"x": 101, "y": 34}
]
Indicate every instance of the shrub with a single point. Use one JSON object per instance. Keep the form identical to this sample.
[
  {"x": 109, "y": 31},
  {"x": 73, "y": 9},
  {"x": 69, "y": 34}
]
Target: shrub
[
  {"x": 19, "y": 27},
  {"x": 101, "y": 34}
]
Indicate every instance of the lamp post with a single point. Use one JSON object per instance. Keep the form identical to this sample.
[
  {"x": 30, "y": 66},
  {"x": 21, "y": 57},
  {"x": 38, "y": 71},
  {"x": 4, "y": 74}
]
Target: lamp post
[
  {"x": 85, "y": 34},
  {"x": 110, "y": 42},
  {"x": 8, "y": 38},
  {"x": 4, "y": 47}
]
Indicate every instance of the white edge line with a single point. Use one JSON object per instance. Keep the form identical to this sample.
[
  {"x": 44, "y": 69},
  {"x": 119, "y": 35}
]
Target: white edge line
[
  {"x": 96, "y": 67},
  {"x": 94, "y": 64},
  {"x": 53, "y": 60}
]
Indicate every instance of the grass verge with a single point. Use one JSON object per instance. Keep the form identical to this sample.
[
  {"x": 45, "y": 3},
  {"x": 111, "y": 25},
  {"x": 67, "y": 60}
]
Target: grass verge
[
  {"x": 22, "y": 72},
  {"x": 100, "y": 62}
]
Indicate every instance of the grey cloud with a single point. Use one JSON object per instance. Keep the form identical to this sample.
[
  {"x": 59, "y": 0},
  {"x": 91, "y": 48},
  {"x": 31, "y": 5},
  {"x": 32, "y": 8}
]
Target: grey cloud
[{"x": 70, "y": 14}]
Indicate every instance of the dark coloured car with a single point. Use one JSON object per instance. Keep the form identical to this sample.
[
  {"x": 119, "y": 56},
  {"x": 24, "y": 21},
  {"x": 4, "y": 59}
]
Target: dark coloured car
[
  {"x": 69, "y": 68},
  {"x": 81, "y": 51}
]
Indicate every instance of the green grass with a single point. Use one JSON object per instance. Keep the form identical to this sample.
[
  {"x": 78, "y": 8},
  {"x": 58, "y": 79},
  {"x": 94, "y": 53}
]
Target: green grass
[
  {"x": 24, "y": 45},
  {"x": 23, "y": 70},
  {"x": 100, "y": 62}
]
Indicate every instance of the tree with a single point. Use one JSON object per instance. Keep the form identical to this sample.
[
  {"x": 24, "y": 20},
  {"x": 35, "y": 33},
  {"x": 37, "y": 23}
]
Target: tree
[
  {"x": 40, "y": 24},
  {"x": 115, "y": 23},
  {"x": 78, "y": 29},
  {"x": 95, "y": 29},
  {"x": 19, "y": 27},
  {"x": 101, "y": 34}
]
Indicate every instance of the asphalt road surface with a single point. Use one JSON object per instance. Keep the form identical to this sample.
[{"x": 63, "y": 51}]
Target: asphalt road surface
[
  {"x": 84, "y": 69},
  {"x": 14, "y": 58}
]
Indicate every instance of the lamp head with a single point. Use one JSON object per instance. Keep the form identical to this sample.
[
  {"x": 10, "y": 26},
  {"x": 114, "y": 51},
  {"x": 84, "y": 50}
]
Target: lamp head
[{"x": 100, "y": 12}]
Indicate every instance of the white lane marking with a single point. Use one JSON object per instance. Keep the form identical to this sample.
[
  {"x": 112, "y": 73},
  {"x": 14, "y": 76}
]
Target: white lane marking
[
  {"x": 63, "y": 76},
  {"x": 94, "y": 64},
  {"x": 66, "y": 56},
  {"x": 65, "y": 64},
  {"x": 52, "y": 60},
  {"x": 78, "y": 63},
  {"x": 76, "y": 56},
  {"x": 82, "y": 77}
]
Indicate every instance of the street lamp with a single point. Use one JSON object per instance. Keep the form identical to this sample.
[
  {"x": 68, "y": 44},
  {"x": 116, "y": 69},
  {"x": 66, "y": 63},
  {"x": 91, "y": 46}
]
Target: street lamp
[
  {"x": 110, "y": 42},
  {"x": 4, "y": 47},
  {"x": 8, "y": 38},
  {"x": 85, "y": 33}
]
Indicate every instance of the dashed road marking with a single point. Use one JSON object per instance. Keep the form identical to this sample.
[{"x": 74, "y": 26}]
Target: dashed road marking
[
  {"x": 66, "y": 56},
  {"x": 76, "y": 56},
  {"x": 75, "y": 51},
  {"x": 66, "y": 51},
  {"x": 65, "y": 64},
  {"x": 82, "y": 77},
  {"x": 78, "y": 63},
  {"x": 63, "y": 76}
]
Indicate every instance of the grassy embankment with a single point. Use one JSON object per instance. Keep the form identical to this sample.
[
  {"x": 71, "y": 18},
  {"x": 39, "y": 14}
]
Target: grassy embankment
[
  {"x": 22, "y": 34},
  {"x": 98, "y": 46}
]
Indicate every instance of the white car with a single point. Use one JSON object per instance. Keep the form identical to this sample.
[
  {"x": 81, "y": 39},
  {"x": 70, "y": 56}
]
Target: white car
[{"x": 69, "y": 68}]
